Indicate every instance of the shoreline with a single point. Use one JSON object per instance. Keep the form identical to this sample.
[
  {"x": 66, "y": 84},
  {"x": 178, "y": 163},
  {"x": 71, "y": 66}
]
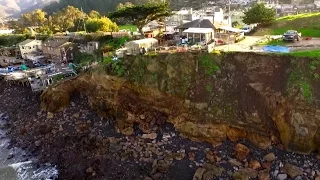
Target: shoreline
[{"x": 84, "y": 146}]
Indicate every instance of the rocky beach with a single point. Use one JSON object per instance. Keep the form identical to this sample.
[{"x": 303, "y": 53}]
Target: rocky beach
[{"x": 84, "y": 146}]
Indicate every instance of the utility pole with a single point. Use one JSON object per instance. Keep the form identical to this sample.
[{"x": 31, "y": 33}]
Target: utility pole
[
  {"x": 84, "y": 23},
  {"x": 229, "y": 13}
]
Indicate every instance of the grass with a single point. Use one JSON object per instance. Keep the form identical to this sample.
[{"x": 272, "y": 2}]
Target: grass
[
  {"x": 130, "y": 27},
  {"x": 308, "y": 24},
  {"x": 310, "y": 53},
  {"x": 275, "y": 42}
]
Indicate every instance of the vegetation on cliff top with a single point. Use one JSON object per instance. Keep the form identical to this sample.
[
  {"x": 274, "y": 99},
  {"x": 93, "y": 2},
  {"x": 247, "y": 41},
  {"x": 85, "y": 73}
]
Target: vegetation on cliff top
[{"x": 308, "y": 24}]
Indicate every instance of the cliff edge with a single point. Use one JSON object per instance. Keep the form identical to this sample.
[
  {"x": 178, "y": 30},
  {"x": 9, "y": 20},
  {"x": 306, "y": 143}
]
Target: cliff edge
[{"x": 208, "y": 97}]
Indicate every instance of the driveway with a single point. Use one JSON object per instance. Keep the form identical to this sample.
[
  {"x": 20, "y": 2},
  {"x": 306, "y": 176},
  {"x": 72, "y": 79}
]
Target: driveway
[{"x": 242, "y": 45}]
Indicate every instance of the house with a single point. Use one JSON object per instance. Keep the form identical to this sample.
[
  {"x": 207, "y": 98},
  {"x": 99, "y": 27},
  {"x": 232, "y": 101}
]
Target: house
[
  {"x": 27, "y": 47},
  {"x": 198, "y": 23},
  {"x": 153, "y": 29},
  {"x": 178, "y": 17},
  {"x": 199, "y": 35},
  {"x": 133, "y": 47},
  {"x": 89, "y": 48},
  {"x": 58, "y": 50}
]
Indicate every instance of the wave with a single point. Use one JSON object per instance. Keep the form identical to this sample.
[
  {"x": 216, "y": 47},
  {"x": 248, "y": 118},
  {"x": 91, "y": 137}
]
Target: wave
[{"x": 18, "y": 168}]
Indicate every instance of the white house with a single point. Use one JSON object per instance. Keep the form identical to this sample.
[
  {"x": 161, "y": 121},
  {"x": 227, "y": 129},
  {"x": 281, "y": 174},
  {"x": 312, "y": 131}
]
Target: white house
[{"x": 29, "y": 46}]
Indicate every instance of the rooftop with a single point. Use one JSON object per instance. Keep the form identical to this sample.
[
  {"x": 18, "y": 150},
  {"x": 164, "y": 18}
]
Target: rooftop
[{"x": 198, "y": 23}]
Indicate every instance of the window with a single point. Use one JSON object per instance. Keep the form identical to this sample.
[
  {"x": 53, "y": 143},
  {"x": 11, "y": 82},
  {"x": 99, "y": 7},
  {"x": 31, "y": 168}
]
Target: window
[
  {"x": 22, "y": 47},
  {"x": 29, "y": 47}
]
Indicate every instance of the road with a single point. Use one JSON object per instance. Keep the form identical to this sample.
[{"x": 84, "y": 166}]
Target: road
[{"x": 242, "y": 45}]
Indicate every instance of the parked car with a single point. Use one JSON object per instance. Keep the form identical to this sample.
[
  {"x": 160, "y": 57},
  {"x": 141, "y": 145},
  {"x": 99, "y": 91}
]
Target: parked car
[
  {"x": 291, "y": 35},
  {"x": 246, "y": 29}
]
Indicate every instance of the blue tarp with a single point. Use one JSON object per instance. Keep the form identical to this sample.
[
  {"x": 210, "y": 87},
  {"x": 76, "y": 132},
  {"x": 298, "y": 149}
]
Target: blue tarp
[{"x": 280, "y": 49}]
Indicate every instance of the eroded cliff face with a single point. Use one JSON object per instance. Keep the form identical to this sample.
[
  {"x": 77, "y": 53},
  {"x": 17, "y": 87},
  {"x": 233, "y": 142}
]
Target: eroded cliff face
[{"x": 207, "y": 97}]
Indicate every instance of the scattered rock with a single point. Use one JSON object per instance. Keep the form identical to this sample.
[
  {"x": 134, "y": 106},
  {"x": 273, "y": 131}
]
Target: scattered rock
[
  {"x": 199, "y": 173},
  {"x": 89, "y": 170},
  {"x": 234, "y": 162},
  {"x": 216, "y": 171},
  {"x": 292, "y": 170},
  {"x": 251, "y": 173},
  {"x": 157, "y": 176},
  {"x": 50, "y": 115},
  {"x": 239, "y": 176},
  {"x": 149, "y": 136},
  {"x": 37, "y": 143},
  {"x": 241, "y": 151},
  {"x": 254, "y": 164},
  {"x": 76, "y": 115},
  {"x": 191, "y": 156},
  {"x": 264, "y": 174},
  {"x": 113, "y": 147},
  {"x": 282, "y": 176},
  {"x": 269, "y": 157},
  {"x": 209, "y": 175},
  {"x": 163, "y": 166}
]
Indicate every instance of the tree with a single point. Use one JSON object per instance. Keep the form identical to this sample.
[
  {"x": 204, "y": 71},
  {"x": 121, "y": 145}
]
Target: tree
[
  {"x": 67, "y": 18},
  {"x": 94, "y": 14},
  {"x": 141, "y": 15},
  {"x": 259, "y": 14},
  {"x": 33, "y": 18},
  {"x": 101, "y": 24}
]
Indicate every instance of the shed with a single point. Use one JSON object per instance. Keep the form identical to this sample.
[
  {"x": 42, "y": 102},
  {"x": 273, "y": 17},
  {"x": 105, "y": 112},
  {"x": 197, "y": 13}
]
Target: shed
[{"x": 133, "y": 47}]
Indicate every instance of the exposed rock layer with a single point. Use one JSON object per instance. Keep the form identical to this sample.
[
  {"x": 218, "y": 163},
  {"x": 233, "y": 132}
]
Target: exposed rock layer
[{"x": 207, "y": 97}]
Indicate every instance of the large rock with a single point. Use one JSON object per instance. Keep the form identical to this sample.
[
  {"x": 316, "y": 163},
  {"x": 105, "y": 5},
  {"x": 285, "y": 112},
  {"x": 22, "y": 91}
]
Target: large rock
[
  {"x": 241, "y": 151},
  {"x": 207, "y": 97}
]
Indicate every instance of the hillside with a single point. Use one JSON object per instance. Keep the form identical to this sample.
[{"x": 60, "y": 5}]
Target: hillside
[
  {"x": 105, "y": 6},
  {"x": 308, "y": 24},
  {"x": 16, "y": 7}
]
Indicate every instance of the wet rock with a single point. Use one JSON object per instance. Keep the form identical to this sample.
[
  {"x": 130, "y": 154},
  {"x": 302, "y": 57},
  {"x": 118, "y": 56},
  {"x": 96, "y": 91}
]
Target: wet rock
[
  {"x": 264, "y": 174},
  {"x": 282, "y": 176},
  {"x": 254, "y": 164},
  {"x": 239, "y": 176},
  {"x": 251, "y": 173},
  {"x": 269, "y": 157},
  {"x": 241, "y": 152},
  {"x": 199, "y": 174},
  {"x": 10, "y": 156},
  {"x": 292, "y": 170}
]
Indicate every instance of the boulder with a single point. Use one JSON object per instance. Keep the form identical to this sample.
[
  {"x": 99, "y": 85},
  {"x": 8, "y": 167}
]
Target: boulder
[
  {"x": 199, "y": 174},
  {"x": 292, "y": 170}
]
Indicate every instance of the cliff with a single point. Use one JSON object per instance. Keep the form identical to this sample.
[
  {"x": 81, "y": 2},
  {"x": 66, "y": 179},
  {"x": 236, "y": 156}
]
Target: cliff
[{"x": 208, "y": 97}]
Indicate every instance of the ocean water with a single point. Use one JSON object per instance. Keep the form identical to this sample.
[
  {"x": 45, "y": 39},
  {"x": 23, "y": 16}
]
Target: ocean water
[{"x": 16, "y": 165}]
